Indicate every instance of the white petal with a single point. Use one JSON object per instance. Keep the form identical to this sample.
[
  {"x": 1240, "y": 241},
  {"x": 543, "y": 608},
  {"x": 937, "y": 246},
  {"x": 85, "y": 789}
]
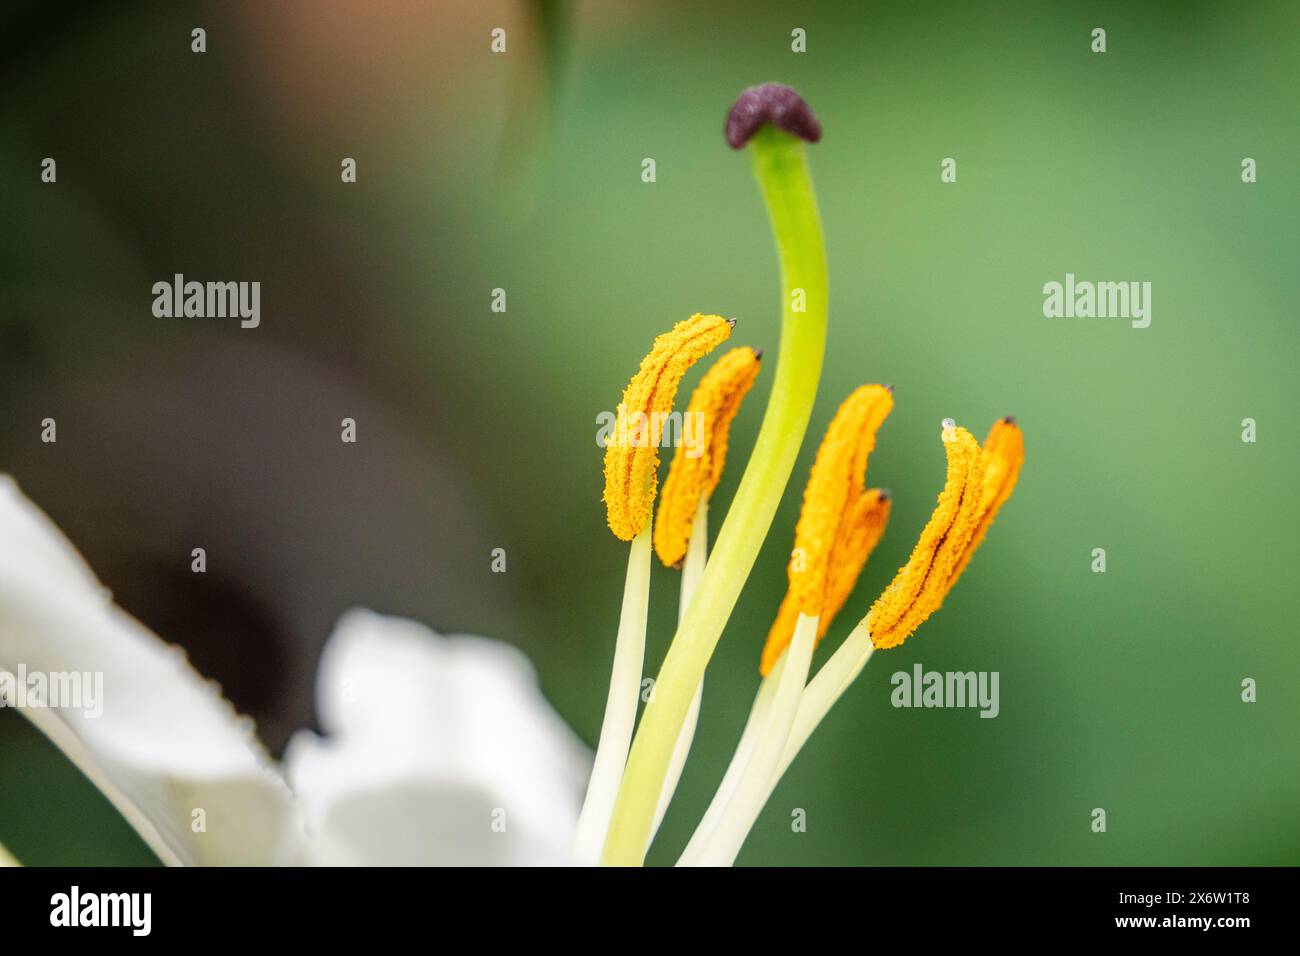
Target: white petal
[
  {"x": 167, "y": 743},
  {"x": 440, "y": 750}
]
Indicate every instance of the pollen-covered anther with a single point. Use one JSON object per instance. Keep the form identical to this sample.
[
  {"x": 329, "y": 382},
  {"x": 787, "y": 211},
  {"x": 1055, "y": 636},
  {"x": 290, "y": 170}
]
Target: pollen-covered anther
[
  {"x": 701, "y": 452},
  {"x": 632, "y": 450},
  {"x": 920, "y": 586},
  {"x": 840, "y": 522},
  {"x": 1003, "y": 454}
]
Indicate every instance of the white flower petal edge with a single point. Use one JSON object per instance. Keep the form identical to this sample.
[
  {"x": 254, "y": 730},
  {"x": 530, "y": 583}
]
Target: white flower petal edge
[
  {"x": 166, "y": 744},
  {"x": 440, "y": 750}
]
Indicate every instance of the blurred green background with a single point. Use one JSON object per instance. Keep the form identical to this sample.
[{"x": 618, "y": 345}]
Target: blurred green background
[{"x": 477, "y": 430}]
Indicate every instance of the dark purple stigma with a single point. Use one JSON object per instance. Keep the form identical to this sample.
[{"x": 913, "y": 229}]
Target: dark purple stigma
[{"x": 770, "y": 103}]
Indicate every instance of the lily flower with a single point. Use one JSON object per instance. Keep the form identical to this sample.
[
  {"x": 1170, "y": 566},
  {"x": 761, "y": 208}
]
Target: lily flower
[
  {"x": 442, "y": 749},
  {"x": 839, "y": 525},
  {"x": 438, "y": 750}
]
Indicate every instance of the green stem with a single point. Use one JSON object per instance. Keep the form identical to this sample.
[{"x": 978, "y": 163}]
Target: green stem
[{"x": 781, "y": 167}]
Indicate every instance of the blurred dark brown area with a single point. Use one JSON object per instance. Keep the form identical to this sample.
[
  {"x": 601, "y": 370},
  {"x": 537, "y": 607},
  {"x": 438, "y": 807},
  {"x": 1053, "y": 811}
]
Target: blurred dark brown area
[{"x": 182, "y": 433}]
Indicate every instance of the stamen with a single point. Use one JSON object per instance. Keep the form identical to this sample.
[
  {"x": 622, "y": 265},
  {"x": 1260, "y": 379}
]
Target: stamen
[
  {"x": 1004, "y": 453},
  {"x": 631, "y": 463},
  {"x": 754, "y": 726},
  {"x": 920, "y": 586},
  {"x": 620, "y": 706},
  {"x": 632, "y": 452},
  {"x": 751, "y": 791},
  {"x": 695, "y": 472},
  {"x": 692, "y": 571},
  {"x": 839, "y": 524},
  {"x": 861, "y": 534},
  {"x": 1001, "y": 458}
]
